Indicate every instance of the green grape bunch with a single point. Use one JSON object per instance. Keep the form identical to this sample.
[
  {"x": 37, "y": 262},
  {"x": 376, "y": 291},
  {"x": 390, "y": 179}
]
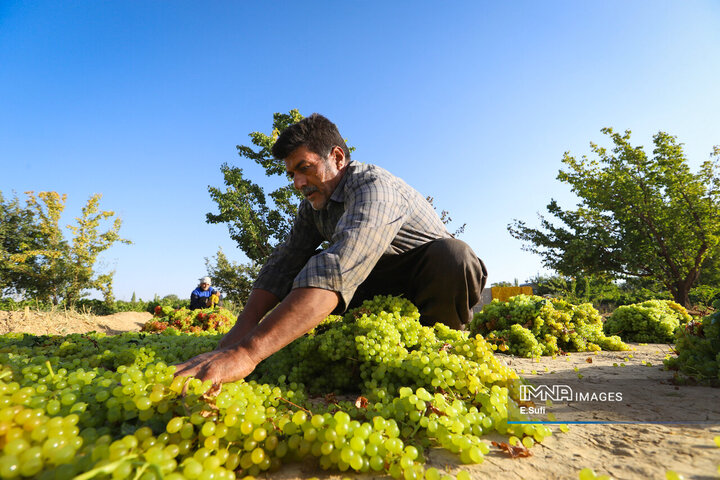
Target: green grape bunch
[
  {"x": 653, "y": 321},
  {"x": 532, "y": 326},
  {"x": 368, "y": 392}
]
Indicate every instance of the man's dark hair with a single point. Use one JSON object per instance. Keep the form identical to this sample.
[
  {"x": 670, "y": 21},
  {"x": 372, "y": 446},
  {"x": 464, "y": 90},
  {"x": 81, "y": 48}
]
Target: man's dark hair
[{"x": 316, "y": 132}]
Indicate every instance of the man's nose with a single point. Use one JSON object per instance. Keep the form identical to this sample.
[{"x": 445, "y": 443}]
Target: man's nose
[{"x": 299, "y": 181}]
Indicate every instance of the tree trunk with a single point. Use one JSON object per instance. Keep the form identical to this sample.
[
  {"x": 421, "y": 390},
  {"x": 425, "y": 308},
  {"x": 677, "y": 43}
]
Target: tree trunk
[{"x": 682, "y": 295}]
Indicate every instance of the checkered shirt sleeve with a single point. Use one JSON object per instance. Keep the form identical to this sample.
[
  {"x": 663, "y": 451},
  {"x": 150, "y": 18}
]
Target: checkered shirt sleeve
[{"x": 373, "y": 216}]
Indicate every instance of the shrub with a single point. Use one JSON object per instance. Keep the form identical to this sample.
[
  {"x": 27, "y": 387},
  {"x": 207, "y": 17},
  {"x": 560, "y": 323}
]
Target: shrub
[
  {"x": 697, "y": 345},
  {"x": 704, "y": 295}
]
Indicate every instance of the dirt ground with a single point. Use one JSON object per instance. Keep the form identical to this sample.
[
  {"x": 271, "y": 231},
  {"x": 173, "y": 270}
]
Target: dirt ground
[
  {"x": 63, "y": 322},
  {"x": 655, "y": 427}
]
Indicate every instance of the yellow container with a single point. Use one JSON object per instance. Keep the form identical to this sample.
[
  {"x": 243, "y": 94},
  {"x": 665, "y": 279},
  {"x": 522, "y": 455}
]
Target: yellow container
[{"x": 504, "y": 293}]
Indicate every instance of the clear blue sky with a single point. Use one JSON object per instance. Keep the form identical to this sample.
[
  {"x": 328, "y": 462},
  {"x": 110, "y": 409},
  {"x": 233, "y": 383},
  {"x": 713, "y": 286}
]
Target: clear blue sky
[{"x": 471, "y": 102}]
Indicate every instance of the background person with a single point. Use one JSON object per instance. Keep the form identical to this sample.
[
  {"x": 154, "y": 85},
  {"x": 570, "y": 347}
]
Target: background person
[{"x": 204, "y": 296}]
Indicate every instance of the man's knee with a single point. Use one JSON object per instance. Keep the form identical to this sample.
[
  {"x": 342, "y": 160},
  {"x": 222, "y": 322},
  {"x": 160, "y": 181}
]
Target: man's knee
[{"x": 454, "y": 256}]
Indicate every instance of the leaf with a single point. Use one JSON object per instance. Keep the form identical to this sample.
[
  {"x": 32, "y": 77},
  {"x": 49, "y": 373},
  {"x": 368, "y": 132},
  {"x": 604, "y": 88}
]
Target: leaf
[
  {"x": 361, "y": 402},
  {"x": 514, "y": 451}
]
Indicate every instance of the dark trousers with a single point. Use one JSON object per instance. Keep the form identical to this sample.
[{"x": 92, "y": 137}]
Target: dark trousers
[{"x": 443, "y": 278}]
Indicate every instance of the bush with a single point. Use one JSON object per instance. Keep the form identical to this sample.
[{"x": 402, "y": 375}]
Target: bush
[
  {"x": 704, "y": 295},
  {"x": 697, "y": 345},
  {"x": 653, "y": 321},
  {"x": 604, "y": 293},
  {"x": 532, "y": 326},
  {"x": 10, "y": 304}
]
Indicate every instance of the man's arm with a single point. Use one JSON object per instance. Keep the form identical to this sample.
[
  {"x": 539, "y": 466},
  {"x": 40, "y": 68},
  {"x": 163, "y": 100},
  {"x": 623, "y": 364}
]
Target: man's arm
[
  {"x": 259, "y": 303},
  {"x": 194, "y": 301},
  {"x": 298, "y": 313}
]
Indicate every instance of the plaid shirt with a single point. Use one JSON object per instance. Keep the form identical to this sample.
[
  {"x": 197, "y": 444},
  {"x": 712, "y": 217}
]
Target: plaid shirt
[{"x": 371, "y": 213}]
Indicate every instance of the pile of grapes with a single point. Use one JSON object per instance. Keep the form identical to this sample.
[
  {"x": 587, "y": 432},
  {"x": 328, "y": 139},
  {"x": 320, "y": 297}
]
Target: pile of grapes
[
  {"x": 94, "y": 406},
  {"x": 697, "y": 346},
  {"x": 532, "y": 326},
  {"x": 214, "y": 320},
  {"x": 653, "y": 321}
]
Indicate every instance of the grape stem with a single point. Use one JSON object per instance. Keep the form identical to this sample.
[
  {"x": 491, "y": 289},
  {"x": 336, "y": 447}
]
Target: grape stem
[
  {"x": 294, "y": 404},
  {"x": 52, "y": 374},
  {"x": 106, "y": 469},
  {"x": 417, "y": 425}
]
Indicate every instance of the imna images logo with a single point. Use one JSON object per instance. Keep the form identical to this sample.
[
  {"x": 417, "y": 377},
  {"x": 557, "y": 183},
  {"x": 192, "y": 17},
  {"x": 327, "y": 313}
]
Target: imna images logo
[
  {"x": 564, "y": 393},
  {"x": 543, "y": 393}
]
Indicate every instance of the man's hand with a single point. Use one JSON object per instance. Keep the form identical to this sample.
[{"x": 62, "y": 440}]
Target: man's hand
[
  {"x": 220, "y": 366},
  {"x": 301, "y": 311}
]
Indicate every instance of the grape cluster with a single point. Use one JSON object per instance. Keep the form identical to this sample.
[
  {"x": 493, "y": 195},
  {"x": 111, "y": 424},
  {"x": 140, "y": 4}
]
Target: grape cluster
[
  {"x": 93, "y": 406},
  {"x": 697, "y": 345},
  {"x": 653, "y": 321},
  {"x": 213, "y": 320},
  {"x": 532, "y": 326}
]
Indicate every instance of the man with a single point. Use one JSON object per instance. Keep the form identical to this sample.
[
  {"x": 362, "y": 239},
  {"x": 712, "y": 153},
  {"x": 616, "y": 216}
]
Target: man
[
  {"x": 201, "y": 297},
  {"x": 384, "y": 237}
]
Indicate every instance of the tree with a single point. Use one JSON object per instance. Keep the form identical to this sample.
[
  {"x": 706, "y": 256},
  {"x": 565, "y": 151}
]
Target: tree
[
  {"x": 18, "y": 232},
  {"x": 255, "y": 225},
  {"x": 234, "y": 279},
  {"x": 446, "y": 219},
  {"x": 87, "y": 244},
  {"x": 51, "y": 268},
  {"x": 638, "y": 217},
  {"x": 41, "y": 267}
]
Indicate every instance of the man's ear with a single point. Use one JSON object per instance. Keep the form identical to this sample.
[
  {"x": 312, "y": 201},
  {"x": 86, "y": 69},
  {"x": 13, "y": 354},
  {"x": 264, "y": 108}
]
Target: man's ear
[{"x": 338, "y": 155}]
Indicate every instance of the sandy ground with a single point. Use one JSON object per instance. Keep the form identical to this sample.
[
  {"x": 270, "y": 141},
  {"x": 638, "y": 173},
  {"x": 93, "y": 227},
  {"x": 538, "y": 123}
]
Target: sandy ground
[
  {"x": 65, "y": 322},
  {"x": 656, "y": 426}
]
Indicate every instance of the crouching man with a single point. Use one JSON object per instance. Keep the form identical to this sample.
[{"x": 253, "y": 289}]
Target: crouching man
[{"x": 384, "y": 238}]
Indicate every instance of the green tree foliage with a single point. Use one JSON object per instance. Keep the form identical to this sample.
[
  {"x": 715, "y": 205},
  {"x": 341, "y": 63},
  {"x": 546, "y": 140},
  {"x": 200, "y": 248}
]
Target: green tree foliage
[
  {"x": 638, "y": 217},
  {"x": 257, "y": 223},
  {"x": 446, "y": 218},
  {"x": 234, "y": 279},
  {"x": 18, "y": 233},
  {"x": 48, "y": 267},
  {"x": 710, "y": 272},
  {"x": 87, "y": 244}
]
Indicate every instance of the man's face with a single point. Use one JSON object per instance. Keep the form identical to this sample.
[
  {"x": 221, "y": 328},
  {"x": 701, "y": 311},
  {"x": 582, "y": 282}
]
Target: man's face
[
  {"x": 204, "y": 286},
  {"x": 315, "y": 177}
]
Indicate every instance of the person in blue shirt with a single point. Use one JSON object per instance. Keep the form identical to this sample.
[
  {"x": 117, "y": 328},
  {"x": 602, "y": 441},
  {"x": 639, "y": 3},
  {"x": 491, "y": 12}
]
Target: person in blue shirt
[{"x": 201, "y": 296}]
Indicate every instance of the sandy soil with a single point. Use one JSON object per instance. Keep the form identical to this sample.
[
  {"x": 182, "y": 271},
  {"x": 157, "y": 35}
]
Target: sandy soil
[
  {"x": 657, "y": 426},
  {"x": 65, "y": 322}
]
